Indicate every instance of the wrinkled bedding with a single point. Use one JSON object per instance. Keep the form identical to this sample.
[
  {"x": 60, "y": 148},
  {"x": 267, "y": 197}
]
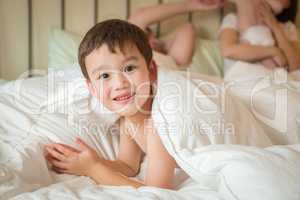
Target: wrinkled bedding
[
  {"x": 273, "y": 97},
  {"x": 58, "y": 108}
]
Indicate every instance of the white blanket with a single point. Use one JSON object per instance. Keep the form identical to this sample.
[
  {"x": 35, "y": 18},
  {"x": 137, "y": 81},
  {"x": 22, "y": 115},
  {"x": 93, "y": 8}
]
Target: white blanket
[
  {"x": 35, "y": 111},
  {"x": 190, "y": 113},
  {"x": 273, "y": 96}
]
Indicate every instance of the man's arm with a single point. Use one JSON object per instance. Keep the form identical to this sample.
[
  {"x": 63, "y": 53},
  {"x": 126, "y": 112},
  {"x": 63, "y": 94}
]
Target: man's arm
[{"x": 146, "y": 16}]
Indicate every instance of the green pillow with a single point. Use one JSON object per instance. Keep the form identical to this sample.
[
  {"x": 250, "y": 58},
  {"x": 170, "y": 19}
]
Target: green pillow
[
  {"x": 207, "y": 58},
  {"x": 62, "y": 49}
]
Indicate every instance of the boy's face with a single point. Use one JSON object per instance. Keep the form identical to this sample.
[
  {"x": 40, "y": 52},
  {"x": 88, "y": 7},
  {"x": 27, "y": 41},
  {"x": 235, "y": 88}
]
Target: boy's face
[{"x": 120, "y": 81}]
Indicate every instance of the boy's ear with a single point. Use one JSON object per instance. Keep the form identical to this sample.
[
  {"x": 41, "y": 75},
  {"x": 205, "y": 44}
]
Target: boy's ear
[
  {"x": 153, "y": 70},
  {"x": 91, "y": 88}
]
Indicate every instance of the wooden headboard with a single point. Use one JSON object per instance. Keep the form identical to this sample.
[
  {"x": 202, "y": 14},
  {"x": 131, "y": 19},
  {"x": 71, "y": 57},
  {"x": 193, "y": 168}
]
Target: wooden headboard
[{"x": 25, "y": 26}]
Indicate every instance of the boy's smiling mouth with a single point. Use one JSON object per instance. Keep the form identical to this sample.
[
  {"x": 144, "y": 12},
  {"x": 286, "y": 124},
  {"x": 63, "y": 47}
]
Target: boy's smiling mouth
[{"x": 124, "y": 98}]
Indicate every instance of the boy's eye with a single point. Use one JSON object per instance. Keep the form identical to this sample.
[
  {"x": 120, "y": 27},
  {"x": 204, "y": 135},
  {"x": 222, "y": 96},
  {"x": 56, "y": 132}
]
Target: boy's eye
[
  {"x": 104, "y": 76},
  {"x": 129, "y": 68}
]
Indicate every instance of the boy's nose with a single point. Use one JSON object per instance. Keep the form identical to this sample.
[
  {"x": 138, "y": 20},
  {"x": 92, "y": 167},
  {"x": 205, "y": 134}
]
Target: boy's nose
[{"x": 122, "y": 82}]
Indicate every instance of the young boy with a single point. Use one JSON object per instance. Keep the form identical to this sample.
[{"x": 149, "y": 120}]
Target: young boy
[{"x": 116, "y": 59}]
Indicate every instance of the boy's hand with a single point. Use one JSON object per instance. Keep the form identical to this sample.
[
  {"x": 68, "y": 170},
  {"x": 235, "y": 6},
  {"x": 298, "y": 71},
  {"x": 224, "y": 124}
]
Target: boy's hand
[
  {"x": 66, "y": 159},
  {"x": 206, "y": 4}
]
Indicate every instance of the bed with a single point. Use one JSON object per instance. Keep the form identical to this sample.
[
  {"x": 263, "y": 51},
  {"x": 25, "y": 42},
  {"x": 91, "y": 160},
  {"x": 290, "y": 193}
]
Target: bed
[{"x": 58, "y": 108}]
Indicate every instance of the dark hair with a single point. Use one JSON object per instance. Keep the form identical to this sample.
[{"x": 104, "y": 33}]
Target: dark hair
[
  {"x": 114, "y": 33},
  {"x": 290, "y": 13}
]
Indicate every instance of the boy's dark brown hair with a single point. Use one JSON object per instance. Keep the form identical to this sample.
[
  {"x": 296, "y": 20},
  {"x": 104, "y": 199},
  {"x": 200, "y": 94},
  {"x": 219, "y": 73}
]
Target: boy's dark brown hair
[{"x": 114, "y": 33}]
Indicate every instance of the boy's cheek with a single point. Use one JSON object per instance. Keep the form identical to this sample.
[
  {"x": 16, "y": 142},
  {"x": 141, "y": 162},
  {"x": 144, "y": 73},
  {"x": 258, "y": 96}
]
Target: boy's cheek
[
  {"x": 143, "y": 86},
  {"x": 101, "y": 92},
  {"x": 103, "y": 95}
]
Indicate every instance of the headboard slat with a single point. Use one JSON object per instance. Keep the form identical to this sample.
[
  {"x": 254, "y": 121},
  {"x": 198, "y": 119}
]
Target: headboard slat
[
  {"x": 30, "y": 40},
  {"x": 128, "y": 8},
  {"x": 62, "y": 14},
  {"x": 96, "y": 2}
]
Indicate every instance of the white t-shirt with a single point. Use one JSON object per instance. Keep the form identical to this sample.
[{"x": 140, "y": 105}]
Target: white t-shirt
[{"x": 256, "y": 35}]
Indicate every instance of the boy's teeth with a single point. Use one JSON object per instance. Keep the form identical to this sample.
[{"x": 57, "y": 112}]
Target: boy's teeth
[{"x": 123, "y": 98}]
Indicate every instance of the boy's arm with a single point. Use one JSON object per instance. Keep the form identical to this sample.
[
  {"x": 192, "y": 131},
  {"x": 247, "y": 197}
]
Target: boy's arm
[
  {"x": 127, "y": 165},
  {"x": 105, "y": 175},
  {"x": 85, "y": 162},
  {"x": 231, "y": 48},
  {"x": 160, "y": 168},
  {"x": 129, "y": 155},
  {"x": 121, "y": 166},
  {"x": 146, "y": 16},
  {"x": 161, "y": 165}
]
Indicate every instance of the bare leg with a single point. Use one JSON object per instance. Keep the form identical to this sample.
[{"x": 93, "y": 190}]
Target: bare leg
[{"x": 180, "y": 44}]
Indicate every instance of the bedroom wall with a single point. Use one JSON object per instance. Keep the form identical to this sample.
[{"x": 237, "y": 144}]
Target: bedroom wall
[
  {"x": 17, "y": 53},
  {"x": 14, "y": 36}
]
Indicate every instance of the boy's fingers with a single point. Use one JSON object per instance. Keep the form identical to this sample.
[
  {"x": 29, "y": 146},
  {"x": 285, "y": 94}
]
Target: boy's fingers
[
  {"x": 82, "y": 144},
  {"x": 64, "y": 149},
  {"x": 69, "y": 148},
  {"x": 59, "y": 164},
  {"x": 56, "y": 154},
  {"x": 59, "y": 170},
  {"x": 48, "y": 157}
]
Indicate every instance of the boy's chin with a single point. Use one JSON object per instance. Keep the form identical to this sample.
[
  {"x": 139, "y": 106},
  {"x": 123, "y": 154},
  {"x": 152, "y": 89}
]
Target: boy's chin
[
  {"x": 130, "y": 109},
  {"x": 129, "y": 112}
]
